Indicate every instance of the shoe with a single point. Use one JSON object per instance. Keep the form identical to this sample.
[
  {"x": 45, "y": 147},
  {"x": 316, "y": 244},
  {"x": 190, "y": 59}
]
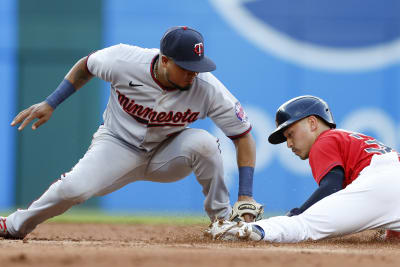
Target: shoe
[
  {"x": 391, "y": 235},
  {"x": 3, "y": 227},
  {"x": 233, "y": 231}
]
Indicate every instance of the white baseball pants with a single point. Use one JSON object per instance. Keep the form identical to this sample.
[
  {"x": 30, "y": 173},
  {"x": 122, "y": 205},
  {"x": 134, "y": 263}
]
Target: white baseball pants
[{"x": 371, "y": 201}]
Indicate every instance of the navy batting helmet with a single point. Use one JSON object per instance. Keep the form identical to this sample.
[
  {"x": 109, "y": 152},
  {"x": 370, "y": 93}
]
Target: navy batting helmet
[{"x": 296, "y": 109}]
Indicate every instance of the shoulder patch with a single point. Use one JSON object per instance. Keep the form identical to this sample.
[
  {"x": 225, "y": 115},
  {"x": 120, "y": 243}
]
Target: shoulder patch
[{"x": 240, "y": 113}]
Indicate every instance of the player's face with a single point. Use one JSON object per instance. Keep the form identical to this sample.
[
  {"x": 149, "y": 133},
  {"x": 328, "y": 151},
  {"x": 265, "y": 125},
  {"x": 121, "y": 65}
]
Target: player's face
[
  {"x": 299, "y": 138},
  {"x": 179, "y": 77}
]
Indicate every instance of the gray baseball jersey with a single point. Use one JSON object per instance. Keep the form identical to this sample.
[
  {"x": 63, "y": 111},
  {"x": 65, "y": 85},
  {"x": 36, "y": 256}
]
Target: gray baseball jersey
[
  {"x": 143, "y": 113},
  {"x": 140, "y": 115}
]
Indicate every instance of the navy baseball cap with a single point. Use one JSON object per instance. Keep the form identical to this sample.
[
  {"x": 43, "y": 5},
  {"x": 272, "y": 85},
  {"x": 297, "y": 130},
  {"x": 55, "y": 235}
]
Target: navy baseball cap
[{"x": 186, "y": 47}]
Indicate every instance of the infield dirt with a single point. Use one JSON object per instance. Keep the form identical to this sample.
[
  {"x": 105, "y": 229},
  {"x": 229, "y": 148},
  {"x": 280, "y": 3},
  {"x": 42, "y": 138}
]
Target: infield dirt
[{"x": 58, "y": 244}]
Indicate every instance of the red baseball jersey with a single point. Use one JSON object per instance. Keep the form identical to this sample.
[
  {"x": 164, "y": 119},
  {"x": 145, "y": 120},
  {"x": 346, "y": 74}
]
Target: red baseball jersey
[{"x": 350, "y": 150}]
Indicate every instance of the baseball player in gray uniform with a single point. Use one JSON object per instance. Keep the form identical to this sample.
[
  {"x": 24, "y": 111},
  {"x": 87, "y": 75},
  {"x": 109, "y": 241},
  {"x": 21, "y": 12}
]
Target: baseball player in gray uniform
[{"x": 155, "y": 95}]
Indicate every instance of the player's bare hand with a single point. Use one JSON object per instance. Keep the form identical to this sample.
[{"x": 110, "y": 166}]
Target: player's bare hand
[{"x": 41, "y": 111}]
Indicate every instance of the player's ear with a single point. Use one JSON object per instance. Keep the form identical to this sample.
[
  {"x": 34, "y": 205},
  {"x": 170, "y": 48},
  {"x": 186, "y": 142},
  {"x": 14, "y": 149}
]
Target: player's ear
[
  {"x": 164, "y": 59},
  {"x": 313, "y": 122}
]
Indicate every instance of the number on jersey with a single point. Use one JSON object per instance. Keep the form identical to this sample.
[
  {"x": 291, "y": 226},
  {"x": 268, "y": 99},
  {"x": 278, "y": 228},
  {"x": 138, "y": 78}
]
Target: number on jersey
[{"x": 381, "y": 148}]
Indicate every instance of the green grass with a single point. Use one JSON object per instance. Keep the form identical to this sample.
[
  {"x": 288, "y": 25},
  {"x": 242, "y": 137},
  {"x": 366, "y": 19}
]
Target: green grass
[
  {"x": 91, "y": 216},
  {"x": 130, "y": 219},
  {"x": 94, "y": 216},
  {"x": 98, "y": 217}
]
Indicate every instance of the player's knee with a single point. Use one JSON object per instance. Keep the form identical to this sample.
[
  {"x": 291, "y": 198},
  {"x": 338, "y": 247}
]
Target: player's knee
[
  {"x": 204, "y": 144},
  {"x": 74, "y": 192}
]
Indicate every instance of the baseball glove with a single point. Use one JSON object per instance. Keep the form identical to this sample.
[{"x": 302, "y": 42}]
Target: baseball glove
[{"x": 246, "y": 207}]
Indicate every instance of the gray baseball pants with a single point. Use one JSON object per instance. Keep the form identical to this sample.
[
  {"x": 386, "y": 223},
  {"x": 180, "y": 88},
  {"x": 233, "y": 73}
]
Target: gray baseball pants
[{"x": 110, "y": 164}]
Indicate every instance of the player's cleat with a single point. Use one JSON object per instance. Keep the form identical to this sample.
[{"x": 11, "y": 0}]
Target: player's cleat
[
  {"x": 391, "y": 235},
  {"x": 234, "y": 231},
  {"x": 3, "y": 227}
]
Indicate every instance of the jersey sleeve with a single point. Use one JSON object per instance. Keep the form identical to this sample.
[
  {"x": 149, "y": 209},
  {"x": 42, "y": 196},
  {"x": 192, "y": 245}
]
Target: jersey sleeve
[
  {"x": 325, "y": 154},
  {"x": 101, "y": 63},
  {"x": 225, "y": 110}
]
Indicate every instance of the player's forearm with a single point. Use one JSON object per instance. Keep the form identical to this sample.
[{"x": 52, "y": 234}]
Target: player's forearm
[
  {"x": 331, "y": 183},
  {"x": 79, "y": 75},
  {"x": 246, "y": 159},
  {"x": 245, "y": 151}
]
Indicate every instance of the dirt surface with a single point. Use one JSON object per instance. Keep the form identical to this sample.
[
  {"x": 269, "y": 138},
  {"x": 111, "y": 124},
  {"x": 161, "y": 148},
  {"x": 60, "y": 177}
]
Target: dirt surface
[{"x": 55, "y": 244}]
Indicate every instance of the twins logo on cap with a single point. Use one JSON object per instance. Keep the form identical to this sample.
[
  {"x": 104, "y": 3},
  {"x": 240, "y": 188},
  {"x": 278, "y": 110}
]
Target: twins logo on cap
[
  {"x": 199, "y": 49},
  {"x": 186, "y": 47}
]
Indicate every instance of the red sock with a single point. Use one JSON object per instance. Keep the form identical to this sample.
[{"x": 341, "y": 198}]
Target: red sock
[{"x": 392, "y": 235}]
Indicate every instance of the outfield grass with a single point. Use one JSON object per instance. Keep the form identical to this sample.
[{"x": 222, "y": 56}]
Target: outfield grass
[
  {"x": 93, "y": 216},
  {"x": 98, "y": 217}
]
